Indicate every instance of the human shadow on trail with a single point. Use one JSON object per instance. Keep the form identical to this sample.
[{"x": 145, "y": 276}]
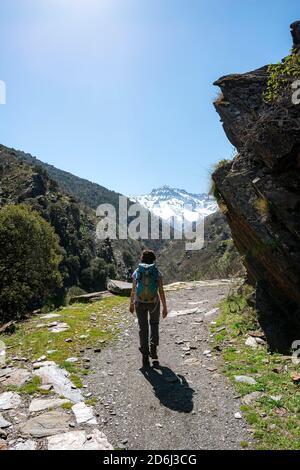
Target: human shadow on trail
[{"x": 173, "y": 391}]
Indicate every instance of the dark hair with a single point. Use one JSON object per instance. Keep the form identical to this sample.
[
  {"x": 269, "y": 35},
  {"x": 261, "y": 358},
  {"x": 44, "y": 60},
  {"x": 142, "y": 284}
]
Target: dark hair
[{"x": 148, "y": 257}]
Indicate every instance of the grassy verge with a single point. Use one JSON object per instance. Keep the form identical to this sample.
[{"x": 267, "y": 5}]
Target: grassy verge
[
  {"x": 274, "y": 415},
  {"x": 91, "y": 326}
]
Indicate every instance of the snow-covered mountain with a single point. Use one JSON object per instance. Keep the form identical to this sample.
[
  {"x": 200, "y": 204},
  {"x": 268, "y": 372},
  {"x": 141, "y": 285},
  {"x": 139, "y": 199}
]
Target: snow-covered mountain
[{"x": 167, "y": 202}]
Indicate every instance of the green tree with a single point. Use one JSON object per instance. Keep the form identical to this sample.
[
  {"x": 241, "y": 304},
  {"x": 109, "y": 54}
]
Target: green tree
[
  {"x": 128, "y": 259},
  {"x": 29, "y": 260},
  {"x": 94, "y": 277}
]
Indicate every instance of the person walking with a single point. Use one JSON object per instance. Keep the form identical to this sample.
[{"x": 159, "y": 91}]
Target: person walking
[{"x": 147, "y": 295}]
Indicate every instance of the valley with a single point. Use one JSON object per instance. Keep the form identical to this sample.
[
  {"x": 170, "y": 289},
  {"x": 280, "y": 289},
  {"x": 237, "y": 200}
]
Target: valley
[
  {"x": 68, "y": 203},
  {"x": 71, "y": 373}
]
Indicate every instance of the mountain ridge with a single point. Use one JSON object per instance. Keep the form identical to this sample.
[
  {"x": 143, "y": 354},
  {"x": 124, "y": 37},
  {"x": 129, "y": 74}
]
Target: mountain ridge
[
  {"x": 166, "y": 202},
  {"x": 89, "y": 193},
  {"x": 124, "y": 254},
  {"x": 26, "y": 180}
]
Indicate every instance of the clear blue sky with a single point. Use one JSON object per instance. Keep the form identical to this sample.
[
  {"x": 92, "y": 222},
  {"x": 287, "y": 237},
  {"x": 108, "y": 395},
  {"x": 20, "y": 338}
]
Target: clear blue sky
[{"x": 120, "y": 91}]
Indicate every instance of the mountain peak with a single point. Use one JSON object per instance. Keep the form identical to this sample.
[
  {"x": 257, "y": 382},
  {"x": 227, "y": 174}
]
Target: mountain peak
[
  {"x": 166, "y": 189},
  {"x": 166, "y": 202}
]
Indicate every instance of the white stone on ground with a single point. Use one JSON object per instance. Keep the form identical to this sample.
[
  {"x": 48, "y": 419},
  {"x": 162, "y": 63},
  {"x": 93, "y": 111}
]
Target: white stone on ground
[
  {"x": 276, "y": 398},
  {"x": 27, "y": 445},
  {"x": 58, "y": 377},
  {"x": 206, "y": 352},
  {"x": 51, "y": 315},
  {"x": 198, "y": 302},
  {"x": 245, "y": 379},
  {"x": 176, "y": 313},
  {"x": 41, "y": 359},
  {"x": 2, "y": 354},
  {"x": 59, "y": 328},
  {"x": 16, "y": 377},
  {"x": 41, "y": 404},
  {"x": 84, "y": 413},
  {"x": 72, "y": 359},
  {"x": 47, "y": 424},
  {"x": 79, "y": 440},
  {"x": 3, "y": 423},
  {"x": 9, "y": 400},
  {"x": 211, "y": 312},
  {"x": 38, "y": 365},
  {"x": 251, "y": 342},
  {"x": 260, "y": 341},
  {"x": 5, "y": 372}
]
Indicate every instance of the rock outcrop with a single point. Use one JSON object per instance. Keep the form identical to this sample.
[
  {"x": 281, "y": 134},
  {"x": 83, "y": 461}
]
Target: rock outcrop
[
  {"x": 259, "y": 191},
  {"x": 295, "y": 30},
  {"x": 218, "y": 259}
]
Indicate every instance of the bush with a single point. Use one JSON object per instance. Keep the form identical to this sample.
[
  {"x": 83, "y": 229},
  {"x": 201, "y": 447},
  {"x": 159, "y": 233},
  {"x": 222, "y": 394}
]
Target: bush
[
  {"x": 128, "y": 259},
  {"x": 280, "y": 75},
  {"x": 29, "y": 260},
  {"x": 94, "y": 277},
  {"x": 74, "y": 291}
]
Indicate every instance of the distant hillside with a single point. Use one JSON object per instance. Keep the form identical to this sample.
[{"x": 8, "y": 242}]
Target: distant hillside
[
  {"x": 86, "y": 263},
  {"x": 90, "y": 194},
  {"x": 26, "y": 179},
  {"x": 217, "y": 259}
]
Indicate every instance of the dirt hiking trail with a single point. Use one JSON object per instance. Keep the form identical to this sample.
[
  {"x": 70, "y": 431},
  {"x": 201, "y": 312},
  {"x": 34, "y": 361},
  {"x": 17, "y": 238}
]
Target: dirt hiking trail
[{"x": 185, "y": 403}]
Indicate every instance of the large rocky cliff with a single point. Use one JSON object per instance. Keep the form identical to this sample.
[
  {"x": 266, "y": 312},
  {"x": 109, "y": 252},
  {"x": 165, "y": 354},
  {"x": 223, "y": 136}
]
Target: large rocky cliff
[{"x": 259, "y": 192}]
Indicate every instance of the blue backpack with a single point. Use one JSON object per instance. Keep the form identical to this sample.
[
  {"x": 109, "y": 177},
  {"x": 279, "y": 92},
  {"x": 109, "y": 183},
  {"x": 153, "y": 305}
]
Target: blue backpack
[{"x": 146, "y": 277}]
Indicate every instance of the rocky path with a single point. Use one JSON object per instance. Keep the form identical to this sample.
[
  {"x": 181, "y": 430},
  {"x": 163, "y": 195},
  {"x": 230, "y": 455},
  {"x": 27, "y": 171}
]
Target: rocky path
[{"x": 184, "y": 403}]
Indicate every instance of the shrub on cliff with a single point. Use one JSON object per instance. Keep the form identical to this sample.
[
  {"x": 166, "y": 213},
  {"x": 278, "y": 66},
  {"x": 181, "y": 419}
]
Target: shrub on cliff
[
  {"x": 280, "y": 76},
  {"x": 29, "y": 259}
]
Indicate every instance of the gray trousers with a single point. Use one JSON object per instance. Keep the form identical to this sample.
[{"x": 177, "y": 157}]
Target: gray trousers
[{"x": 146, "y": 312}]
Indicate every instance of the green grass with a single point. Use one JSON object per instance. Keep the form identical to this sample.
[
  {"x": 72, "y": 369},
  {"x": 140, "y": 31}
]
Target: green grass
[
  {"x": 67, "y": 406},
  {"x": 244, "y": 444},
  {"x": 91, "y": 401},
  {"x": 275, "y": 424},
  {"x": 76, "y": 380},
  {"x": 280, "y": 76},
  {"x": 32, "y": 343},
  {"x": 28, "y": 388}
]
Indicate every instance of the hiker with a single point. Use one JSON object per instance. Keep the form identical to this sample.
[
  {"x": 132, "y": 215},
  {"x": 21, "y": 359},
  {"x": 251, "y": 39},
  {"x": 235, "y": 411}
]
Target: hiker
[{"x": 147, "y": 292}]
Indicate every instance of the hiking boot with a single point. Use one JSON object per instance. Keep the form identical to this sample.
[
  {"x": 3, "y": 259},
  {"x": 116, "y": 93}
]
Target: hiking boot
[
  {"x": 146, "y": 362},
  {"x": 153, "y": 353}
]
